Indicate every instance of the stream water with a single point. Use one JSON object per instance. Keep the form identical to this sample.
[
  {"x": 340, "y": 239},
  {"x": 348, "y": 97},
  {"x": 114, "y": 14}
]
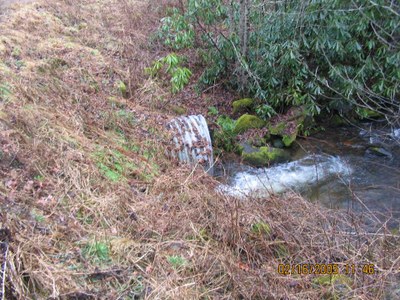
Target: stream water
[{"x": 356, "y": 168}]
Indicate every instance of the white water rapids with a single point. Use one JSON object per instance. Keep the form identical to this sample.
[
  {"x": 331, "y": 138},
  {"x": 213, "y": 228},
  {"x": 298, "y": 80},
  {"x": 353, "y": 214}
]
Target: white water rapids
[{"x": 294, "y": 175}]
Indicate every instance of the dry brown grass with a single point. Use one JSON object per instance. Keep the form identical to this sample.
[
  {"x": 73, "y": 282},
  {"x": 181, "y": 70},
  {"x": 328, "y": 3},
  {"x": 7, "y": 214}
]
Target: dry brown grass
[{"x": 158, "y": 231}]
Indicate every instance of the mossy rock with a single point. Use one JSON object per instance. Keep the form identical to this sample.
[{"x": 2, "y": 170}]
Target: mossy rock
[
  {"x": 277, "y": 129},
  {"x": 288, "y": 128},
  {"x": 264, "y": 156},
  {"x": 281, "y": 130},
  {"x": 243, "y": 105},
  {"x": 246, "y": 122}
]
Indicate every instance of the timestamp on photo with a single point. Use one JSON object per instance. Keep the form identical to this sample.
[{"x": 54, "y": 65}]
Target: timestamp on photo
[{"x": 322, "y": 269}]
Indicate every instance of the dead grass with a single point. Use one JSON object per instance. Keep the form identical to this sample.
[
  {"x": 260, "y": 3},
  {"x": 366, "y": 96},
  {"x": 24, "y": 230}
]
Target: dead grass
[{"x": 95, "y": 210}]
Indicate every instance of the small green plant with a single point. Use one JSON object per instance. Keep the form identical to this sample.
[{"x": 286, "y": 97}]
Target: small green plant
[
  {"x": 38, "y": 216},
  {"x": 261, "y": 228},
  {"x": 84, "y": 217},
  {"x": 225, "y": 137},
  {"x": 5, "y": 91},
  {"x": 16, "y": 52},
  {"x": 113, "y": 165},
  {"x": 96, "y": 251},
  {"x": 281, "y": 251},
  {"x": 212, "y": 111},
  {"x": 177, "y": 261},
  {"x": 39, "y": 177},
  {"x": 170, "y": 66}
]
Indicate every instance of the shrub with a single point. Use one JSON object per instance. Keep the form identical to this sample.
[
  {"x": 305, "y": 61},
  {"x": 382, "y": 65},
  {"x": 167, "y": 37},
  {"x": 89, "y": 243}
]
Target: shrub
[
  {"x": 170, "y": 66},
  {"x": 333, "y": 55}
]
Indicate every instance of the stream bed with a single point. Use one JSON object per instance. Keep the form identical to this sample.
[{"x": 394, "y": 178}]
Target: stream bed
[{"x": 354, "y": 168}]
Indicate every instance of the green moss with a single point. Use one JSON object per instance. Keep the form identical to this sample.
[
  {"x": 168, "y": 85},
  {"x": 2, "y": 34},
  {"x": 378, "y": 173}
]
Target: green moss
[
  {"x": 277, "y": 129},
  {"x": 242, "y": 105},
  {"x": 282, "y": 129},
  {"x": 246, "y": 122},
  {"x": 289, "y": 139},
  {"x": 264, "y": 156}
]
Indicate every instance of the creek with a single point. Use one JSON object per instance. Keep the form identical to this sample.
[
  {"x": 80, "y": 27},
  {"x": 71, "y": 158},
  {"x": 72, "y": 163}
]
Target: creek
[{"x": 353, "y": 168}]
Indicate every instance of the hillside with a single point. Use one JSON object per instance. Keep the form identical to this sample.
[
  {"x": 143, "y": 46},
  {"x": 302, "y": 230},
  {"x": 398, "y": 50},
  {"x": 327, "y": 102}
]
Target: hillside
[{"x": 91, "y": 207}]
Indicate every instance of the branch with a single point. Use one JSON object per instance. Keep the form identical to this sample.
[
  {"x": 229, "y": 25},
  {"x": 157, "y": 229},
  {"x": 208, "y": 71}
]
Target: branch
[{"x": 3, "y": 271}]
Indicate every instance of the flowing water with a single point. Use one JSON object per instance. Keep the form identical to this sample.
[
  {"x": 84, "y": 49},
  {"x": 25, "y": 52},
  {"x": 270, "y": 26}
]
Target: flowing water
[{"x": 347, "y": 167}]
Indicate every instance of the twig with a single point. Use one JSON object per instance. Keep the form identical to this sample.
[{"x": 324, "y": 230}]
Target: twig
[{"x": 3, "y": 271}]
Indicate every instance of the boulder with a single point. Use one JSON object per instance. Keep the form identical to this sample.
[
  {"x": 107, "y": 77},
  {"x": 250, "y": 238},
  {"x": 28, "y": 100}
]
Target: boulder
[
  {"x": 246, "y": 122},
  {"x": 287, "y": 126},
  {"x": 288, "y": 131},
  {"x": 243, "y": 106},
  {"x": 263, "y": 156}
]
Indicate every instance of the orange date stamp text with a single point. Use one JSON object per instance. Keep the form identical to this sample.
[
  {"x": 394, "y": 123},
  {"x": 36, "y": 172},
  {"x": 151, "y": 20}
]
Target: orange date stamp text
[{"x": 321, "y": 269}]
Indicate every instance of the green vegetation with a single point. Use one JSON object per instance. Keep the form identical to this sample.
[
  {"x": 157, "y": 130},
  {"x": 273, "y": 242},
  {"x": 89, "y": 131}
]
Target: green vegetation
[
  {"x": 122, "y": 89},
  {"x": 326, "y": 55},
  {"x": 96, "y": 251},
  {"x": 243, "y": 106},
  {"x": 170, "y": 65},
  {"x": 177, "y": 261},
  {"x": 212, "y": 111},
  {"x": 261, "y": 228},
  {"x": 224, "y": 137},
  {"x": 38, "y": 216},
  {"x": 246, "y": 122},
  {"x": 264, "y": 156},
  {"x": 5, "y": 91},
  {"x": 175, "y": 31}
]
